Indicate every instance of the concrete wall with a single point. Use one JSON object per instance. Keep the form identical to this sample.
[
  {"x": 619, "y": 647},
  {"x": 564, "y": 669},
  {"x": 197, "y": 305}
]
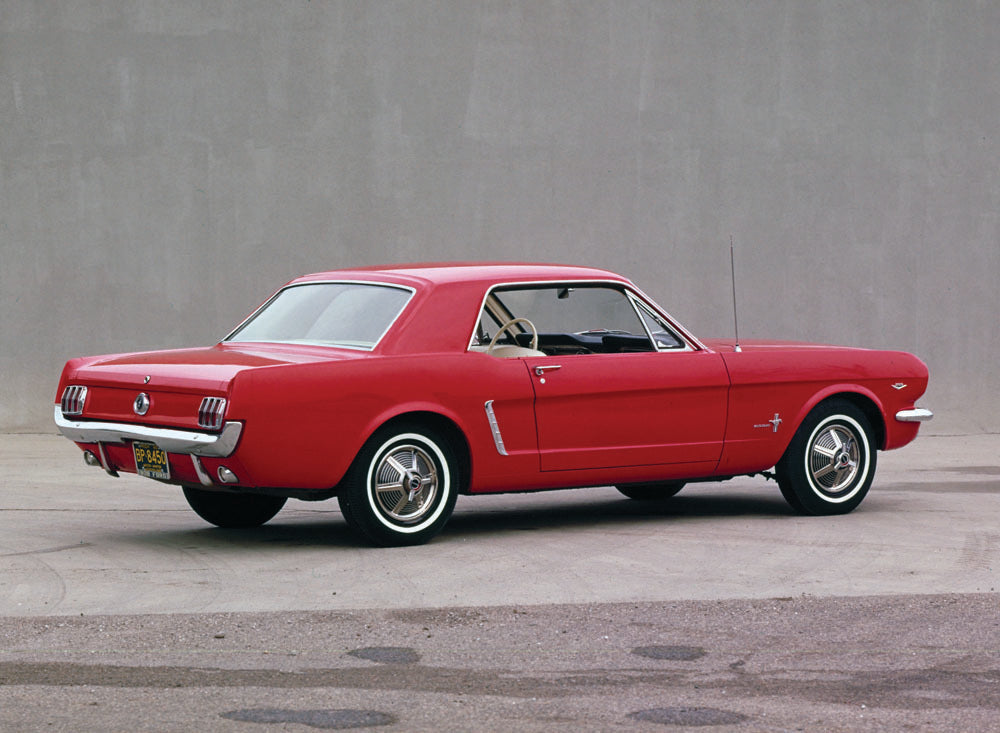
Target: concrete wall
[{"x": 164, "y": 166}]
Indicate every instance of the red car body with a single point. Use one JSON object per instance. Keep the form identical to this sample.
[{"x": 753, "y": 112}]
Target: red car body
[{"x": 583, "y": 408}]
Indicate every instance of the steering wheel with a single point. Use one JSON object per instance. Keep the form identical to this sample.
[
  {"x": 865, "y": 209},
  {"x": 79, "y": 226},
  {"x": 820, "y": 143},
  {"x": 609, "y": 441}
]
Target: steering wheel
[{"x": 506, "y": 327}]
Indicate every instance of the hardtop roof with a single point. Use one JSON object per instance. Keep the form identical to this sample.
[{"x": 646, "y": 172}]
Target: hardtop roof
[{"x": 465, "y": 272}]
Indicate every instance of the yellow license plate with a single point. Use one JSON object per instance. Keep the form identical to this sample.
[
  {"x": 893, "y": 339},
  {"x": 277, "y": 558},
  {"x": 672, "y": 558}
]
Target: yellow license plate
[{"x": 151, "y": 460}]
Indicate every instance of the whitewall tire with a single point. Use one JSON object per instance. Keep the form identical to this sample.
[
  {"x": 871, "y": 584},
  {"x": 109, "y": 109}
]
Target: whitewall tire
[
  {"x": 401, "y": 489},
  {"x": 830, "y": 463}
]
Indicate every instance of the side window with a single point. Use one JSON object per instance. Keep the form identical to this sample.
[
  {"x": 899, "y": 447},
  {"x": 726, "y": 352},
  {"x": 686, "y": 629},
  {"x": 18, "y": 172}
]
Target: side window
[
  {"x": 493, "y": 316},
  {"x": 579, "y": 318},
  {"x": 485, "y": 328},
  {"x": 572, "y": 319}
]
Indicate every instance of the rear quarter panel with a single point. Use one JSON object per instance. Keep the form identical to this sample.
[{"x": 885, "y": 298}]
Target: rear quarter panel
[{"x": 305, "y": 424}]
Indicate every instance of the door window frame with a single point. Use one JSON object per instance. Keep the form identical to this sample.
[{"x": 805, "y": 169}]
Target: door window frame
[{"x": 638, "y": 300}]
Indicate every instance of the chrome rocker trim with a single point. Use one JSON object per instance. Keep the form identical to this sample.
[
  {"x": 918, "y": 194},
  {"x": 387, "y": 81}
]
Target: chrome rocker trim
[
  {"x": 172, "y": 441},
  {"x": 917, "y": 414}
]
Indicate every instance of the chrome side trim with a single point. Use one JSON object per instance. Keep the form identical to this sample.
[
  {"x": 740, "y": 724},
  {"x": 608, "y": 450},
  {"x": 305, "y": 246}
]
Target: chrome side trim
[
  {"x": 917, "y": 414},
  {"x": 172, "y": 441},
  {"x": 495, "y": 428},
  {"x": 199, "y": 469}
]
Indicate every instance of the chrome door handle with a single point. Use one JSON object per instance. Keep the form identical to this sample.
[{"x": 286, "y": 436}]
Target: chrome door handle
[{"x": 540, "y": 370}]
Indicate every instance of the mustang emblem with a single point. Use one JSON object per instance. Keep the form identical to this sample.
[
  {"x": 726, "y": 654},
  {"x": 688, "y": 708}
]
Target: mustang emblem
[
  {"x": 899, "y": 386},
  {"x": 773, "y": 422}
]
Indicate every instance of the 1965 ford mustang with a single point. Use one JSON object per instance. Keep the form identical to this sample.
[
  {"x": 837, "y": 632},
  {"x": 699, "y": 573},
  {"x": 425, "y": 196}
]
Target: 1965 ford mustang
[{"x": 395, "y": 389}]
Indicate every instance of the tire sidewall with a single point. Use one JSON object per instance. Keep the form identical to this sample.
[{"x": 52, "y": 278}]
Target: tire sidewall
[
  {"x": 794, "y": 471},
  {"x": 233, "y": 510}
]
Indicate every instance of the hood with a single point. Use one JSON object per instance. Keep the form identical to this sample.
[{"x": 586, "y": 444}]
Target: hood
[{"x": 728, "y": 344}]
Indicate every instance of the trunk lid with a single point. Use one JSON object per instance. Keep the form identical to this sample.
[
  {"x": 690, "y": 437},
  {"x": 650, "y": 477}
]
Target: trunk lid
[{"x": 176, "y": 381}]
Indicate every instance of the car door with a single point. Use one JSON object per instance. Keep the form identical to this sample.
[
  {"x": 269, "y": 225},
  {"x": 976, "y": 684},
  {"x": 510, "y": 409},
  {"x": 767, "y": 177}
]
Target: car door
[
  {"x": 616, "y": 385},
  {"x": 629, "y": 409}
]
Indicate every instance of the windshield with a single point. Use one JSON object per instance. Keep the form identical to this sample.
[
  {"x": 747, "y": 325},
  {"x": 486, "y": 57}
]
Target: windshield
[
  {"x": 349, "y": 315},
  {"x": 574, "y": 309}
]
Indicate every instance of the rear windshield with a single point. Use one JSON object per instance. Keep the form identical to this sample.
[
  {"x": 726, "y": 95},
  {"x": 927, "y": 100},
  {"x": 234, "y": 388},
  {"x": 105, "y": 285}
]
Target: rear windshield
[{"x": 348, "y": 315}]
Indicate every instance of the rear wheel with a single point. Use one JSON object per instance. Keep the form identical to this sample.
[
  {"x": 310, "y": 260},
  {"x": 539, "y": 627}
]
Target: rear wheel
[
  {"x": 232, "y": 510},
  {"x": 830, "y": 463},
  {"x": 402, "y": 487},
  {"x": 651, "y": 492}
]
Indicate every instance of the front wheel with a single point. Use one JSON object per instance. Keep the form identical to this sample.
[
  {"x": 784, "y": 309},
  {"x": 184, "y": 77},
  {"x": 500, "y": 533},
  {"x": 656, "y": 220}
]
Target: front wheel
[
  {"x": 231, "y": 510},
  {"x": 402, "y": 487},
  {"x": 830, "y": 463}
]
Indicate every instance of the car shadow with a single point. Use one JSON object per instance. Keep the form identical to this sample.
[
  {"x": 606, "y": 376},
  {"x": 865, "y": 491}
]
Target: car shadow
[
  {"x": 320, "y": 530},
  {"x": 308, "y": 525},
  {"x": 611, "y": 512}
]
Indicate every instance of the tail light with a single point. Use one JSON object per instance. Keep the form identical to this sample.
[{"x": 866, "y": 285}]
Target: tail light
[
  {"x": 211, "y": 412},
  {"x": 72, "y": 401}
]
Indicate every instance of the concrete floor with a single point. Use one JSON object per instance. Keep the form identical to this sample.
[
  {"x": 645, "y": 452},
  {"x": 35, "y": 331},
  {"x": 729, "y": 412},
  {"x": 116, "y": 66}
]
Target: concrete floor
[
  {"x": 576, "y": 610},
  {"x": 75, "y": 540}
]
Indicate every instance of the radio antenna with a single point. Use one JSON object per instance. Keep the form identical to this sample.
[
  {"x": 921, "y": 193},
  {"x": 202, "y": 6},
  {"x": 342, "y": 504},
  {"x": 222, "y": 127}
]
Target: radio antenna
[{"x": 732, "y": 270}]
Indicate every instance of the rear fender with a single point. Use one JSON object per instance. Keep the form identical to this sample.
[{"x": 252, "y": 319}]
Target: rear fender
[{"x": 436, "y": 416}]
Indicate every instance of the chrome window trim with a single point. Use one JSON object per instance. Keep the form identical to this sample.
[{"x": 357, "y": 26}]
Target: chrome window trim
[
  {"x": 215, "y": 445},
  {"x": 412, "y": 291},
  {"x": 690, "y": 339},
  {"x": 691, "y": 343},
  {"x": 638, "y": 305}
]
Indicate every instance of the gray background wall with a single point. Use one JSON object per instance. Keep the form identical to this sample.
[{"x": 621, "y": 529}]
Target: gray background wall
[{"x": 164, "y": 166}]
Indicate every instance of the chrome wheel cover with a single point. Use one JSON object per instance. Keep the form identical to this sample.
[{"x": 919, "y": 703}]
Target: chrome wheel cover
[
  {"x": 834, "y": 459},
  {"x": 406, "y": 484}
]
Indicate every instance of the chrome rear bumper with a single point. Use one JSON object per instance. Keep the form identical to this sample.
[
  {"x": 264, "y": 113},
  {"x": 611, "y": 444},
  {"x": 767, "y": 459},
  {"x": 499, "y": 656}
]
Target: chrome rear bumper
[
  {"x": 917, "y": 414},
  {"x": 212, "y": 445}
]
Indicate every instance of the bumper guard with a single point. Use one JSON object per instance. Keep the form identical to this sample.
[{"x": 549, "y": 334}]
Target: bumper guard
[{"x": 917, "y": 414}]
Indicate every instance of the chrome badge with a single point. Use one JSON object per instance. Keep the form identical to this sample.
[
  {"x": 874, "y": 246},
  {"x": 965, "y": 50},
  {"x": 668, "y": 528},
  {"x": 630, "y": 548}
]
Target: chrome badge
[
  {"x": 772, "y": 423},
  {"x": 146, "y": 379},
  {"x": 141, "y": 404}
]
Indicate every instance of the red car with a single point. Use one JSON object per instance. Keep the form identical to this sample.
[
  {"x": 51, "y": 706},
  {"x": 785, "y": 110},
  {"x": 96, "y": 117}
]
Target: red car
[{"x": 395, "y": 389}]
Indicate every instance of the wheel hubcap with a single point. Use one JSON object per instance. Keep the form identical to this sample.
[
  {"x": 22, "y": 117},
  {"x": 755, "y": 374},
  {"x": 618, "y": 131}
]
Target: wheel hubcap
[
  {"x": 406, "y": 484},
  {"x": 834, "y": 459}
]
